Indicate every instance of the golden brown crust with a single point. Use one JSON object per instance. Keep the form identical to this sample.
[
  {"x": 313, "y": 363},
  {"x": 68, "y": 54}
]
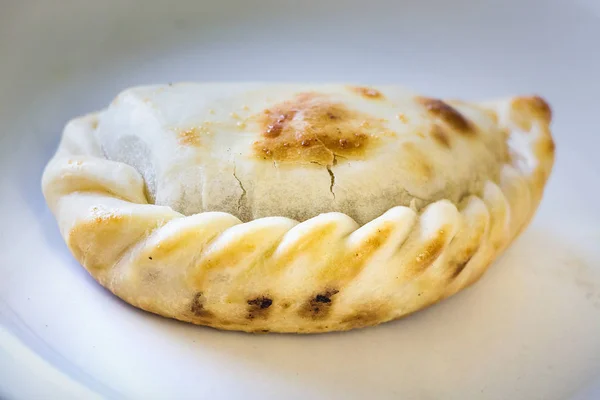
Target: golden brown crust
[
  {"x": 312, "y": 128},
  {"x": 439, "y": 134},
  {"x": 525, "y": 107},
  {"x": 448, "y": 114},
  {"x": 534, "y": 106}
]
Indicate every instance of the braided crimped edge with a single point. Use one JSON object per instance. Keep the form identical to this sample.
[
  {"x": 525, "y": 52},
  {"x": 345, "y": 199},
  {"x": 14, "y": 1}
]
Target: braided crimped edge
[{"x": 275, "y": 274}]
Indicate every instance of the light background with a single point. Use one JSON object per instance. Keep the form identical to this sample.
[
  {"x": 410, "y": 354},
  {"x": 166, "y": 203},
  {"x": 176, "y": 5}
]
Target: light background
[{"x": 530, "y": 329}]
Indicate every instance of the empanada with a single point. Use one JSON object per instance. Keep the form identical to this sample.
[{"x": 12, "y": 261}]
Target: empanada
[{"x": 295, "y": 208}]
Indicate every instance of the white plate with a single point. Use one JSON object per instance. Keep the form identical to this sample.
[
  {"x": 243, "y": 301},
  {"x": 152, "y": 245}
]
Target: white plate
[{"x": 529, "y": 329}]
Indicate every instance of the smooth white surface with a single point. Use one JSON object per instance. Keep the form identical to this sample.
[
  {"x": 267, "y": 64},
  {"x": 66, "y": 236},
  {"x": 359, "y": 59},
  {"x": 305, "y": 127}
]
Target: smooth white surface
[{"x": 530, "y": 329}]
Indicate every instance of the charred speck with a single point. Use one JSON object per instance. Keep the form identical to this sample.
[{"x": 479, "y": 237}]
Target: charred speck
[
  {"x": 259, "y": 307},
  {"x": 318, "y": 306},
  {"x": 197, "y": 306},
  {"x": 261, "y": 302},
  {"x": 322, "y": 299}
]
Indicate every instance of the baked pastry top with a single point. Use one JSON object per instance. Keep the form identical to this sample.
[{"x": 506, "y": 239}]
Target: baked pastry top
[
  {"x": 297, "y": 151},
  {"x": 295, "y": 208}
]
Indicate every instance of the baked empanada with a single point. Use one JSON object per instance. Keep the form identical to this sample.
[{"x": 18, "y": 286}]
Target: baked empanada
[{"x": 295, "y": 208}]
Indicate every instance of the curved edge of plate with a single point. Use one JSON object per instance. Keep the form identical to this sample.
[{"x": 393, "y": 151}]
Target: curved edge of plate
[{"x": 18, "y": 363}]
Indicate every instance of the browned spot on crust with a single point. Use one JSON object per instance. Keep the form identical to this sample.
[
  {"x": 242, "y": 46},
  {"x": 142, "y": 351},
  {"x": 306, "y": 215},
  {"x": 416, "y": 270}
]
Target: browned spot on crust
[
  {"x": 428, "y": 252},
  {"x": 546, "y": 146},
  {"x": 526, "y": 109},
  {"x": 274, "y": 129},
  {"x": 350, "y": 265},
  {"x": 535, "y": 106},
  {"x": 197, "y": 306},
  {"x": 258, "y": 308},
  {"x": 459, "y": 268},
  {"x": 417, "y": 162},
  {"x": 447, "y": 114},
  {"x": 550, "y": 146},
  {"x": 319, "y": 306},
  {"x": 367, "y": 92},
  {"x": 541, "y": 108},
  {"x": 189, "y": 137},
  {"x": 460, "y": 264},
  {"x": 312, "y": 128},
  {"x": 440, "y": 136},
  {"x": 94, "y": 123}
]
